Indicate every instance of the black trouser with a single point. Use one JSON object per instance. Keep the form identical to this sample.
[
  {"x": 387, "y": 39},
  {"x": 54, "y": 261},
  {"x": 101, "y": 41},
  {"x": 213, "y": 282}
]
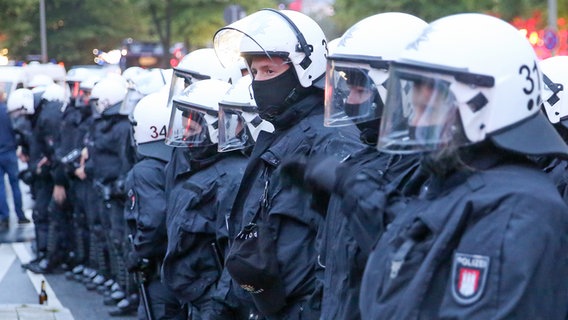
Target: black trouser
[
  {"x": 79, "y": 198},
  {"x": 163, "y": 302},
  {"x": 43, "y": 190},
  {"x": 61, "y": 240},
  {"x": 114, "y": 226}
]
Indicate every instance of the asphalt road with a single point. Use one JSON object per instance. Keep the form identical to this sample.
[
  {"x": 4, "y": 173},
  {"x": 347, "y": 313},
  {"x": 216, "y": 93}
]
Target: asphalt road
[{"x": 18, "y": 286}]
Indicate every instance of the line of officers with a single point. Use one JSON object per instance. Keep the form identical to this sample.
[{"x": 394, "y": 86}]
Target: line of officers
[{"x": 407, "y": 170}]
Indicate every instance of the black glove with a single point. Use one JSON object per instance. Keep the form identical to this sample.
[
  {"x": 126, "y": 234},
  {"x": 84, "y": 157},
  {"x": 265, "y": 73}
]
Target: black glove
[
  {"x": 133, "y": 261},
  {"x": 320, "y": 173},
  {"x": 292, "y": 171},
  {"x": 314, "y": 174}
]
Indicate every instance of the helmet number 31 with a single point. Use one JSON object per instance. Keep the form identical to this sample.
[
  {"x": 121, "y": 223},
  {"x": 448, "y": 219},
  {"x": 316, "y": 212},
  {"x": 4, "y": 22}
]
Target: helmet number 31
[{"x": 530, "y": 75}]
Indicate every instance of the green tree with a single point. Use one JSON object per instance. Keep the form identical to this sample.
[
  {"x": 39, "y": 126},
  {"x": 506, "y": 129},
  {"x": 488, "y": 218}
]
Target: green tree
[
  {"x": 16, "y": 29},
  {"x": 73, "y": 28},
  {"x": 350, "y": 11},
  {"x": 192, "y": 22}
]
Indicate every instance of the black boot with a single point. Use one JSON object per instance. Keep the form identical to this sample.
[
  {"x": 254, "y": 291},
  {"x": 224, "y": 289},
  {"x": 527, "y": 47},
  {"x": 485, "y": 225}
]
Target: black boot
[{"x": 125, "y": 306}]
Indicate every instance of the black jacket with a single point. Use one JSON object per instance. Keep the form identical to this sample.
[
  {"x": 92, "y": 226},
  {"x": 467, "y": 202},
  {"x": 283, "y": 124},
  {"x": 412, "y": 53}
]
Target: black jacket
[
  {"x": 484, "y": 244},
  {"x": 145, "y": 209},
  {"x": 199, "y": 200},
  {"x": 289, "y": 211},
  {"x": 355, "y": 219},
  {"x": 110, "y": 149}
]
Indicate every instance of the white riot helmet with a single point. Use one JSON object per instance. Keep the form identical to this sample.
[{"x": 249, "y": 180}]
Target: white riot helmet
[
  {"x": 74, "y": 78},
  {"x": 21, "y": 100},
  {"x": 357, "y": 69},
  {"x": 239, "y": 121},
  {"x": 108, "y": 92},
  {"x": 133, "y": 72},
  {"x": 89, "y": 83},
  {"x": 331, "y": 45},
  {"x": 201, "y": 64},
  {"x": 55, "y": 92},
  {"x": 151, "y": 121},
  {"x": 467, "y": 78},
  {"x": 287, "y": 34},
  {"x": 142, "y": 85},
  {"x": 197, "y": 123},
  {"x": 40, "y": 80},
  {"x": 554, "y": 93}
]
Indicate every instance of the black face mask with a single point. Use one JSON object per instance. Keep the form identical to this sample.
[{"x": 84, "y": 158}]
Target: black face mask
[{"x": 274, "y": 95}]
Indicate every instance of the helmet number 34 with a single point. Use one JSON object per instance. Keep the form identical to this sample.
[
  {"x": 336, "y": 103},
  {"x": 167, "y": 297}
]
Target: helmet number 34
[{"x": 155, "y": 132}]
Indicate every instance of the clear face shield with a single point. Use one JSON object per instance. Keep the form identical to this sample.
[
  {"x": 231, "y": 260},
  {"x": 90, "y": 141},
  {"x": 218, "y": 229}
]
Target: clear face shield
[
  {"x": 130, "y": 100},
  {"x": 181, "y": 80},
  {"x": 191, "y": 126},
  {"x": 421, "y": 113},
  {"x": 352, "y": 96},
  {"x": 240, "y": 127},
  {"x": 259, "y": 34}
]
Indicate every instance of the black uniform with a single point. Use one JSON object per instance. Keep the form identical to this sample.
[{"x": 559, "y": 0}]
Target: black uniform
[
  {"x": 145, "y": 214},
  {"x": 199, "y": 200},
  {"x": 355, "y": 219},
  {"x": 45, "y": 128},
  {"x": 484, "y": 242},
  {"x": 75, "y": 124},
  {"x": 287, "y": 209},
  {"x": 108, "y": 164}
]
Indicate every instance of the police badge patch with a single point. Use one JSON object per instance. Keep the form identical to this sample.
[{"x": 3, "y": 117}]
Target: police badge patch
[{"x": 469, "y": 276}]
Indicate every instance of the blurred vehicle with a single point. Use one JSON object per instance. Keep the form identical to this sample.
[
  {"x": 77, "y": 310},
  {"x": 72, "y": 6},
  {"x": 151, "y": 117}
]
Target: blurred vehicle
[{"x": 145, "y": 54}]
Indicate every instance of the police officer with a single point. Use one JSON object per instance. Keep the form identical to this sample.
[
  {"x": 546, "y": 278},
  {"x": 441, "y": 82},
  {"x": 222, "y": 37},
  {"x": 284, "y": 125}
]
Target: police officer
[
  {"x": 357, "y": 75},
  {"x": 108, "y": 164},
  {"x": 286, "y": 53},
  {"x": 20, "y": 107},
  {"x": 197, "y": 235},
  {"x": 85, "y": 193},
  {"x": 17, "y": 111},
  {"x": 194, "y": 67},
  {"x": 555, "y": 106},
  {"x": 145, "y": 209},
  {"x": 483, "y": 237},
  {"x": 54, "y": 225}
]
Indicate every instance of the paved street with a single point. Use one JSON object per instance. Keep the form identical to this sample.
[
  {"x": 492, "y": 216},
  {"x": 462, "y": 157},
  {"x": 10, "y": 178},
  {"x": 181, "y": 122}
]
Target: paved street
[{"x": 19, "y": 289}]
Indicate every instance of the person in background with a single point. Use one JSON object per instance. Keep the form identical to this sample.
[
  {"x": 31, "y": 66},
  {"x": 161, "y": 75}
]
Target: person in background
[{"x": 9, "y": 167}]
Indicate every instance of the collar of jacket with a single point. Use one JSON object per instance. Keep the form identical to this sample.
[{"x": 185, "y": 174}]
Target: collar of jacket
[{"x": 310, "y": 104}]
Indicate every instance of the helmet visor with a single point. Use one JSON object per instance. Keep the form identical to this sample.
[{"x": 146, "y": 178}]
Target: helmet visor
[
  {"x": 233, "y": 132},
  {"x": 257, "y": 34},
  {"x": 421, "y": 113},
  {"x": 190, "y": 126},
  {"x": 130, "y": 100},
  {"x": 351, "y": 95},
  {"x": 180, "y": 81}
]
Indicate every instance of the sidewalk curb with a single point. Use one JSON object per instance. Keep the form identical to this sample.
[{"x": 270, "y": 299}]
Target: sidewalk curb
[{"x": 34, "y": 312}]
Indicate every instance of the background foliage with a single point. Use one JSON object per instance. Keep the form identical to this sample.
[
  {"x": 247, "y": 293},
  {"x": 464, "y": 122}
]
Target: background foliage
[{"x": 75, "y": 28}]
